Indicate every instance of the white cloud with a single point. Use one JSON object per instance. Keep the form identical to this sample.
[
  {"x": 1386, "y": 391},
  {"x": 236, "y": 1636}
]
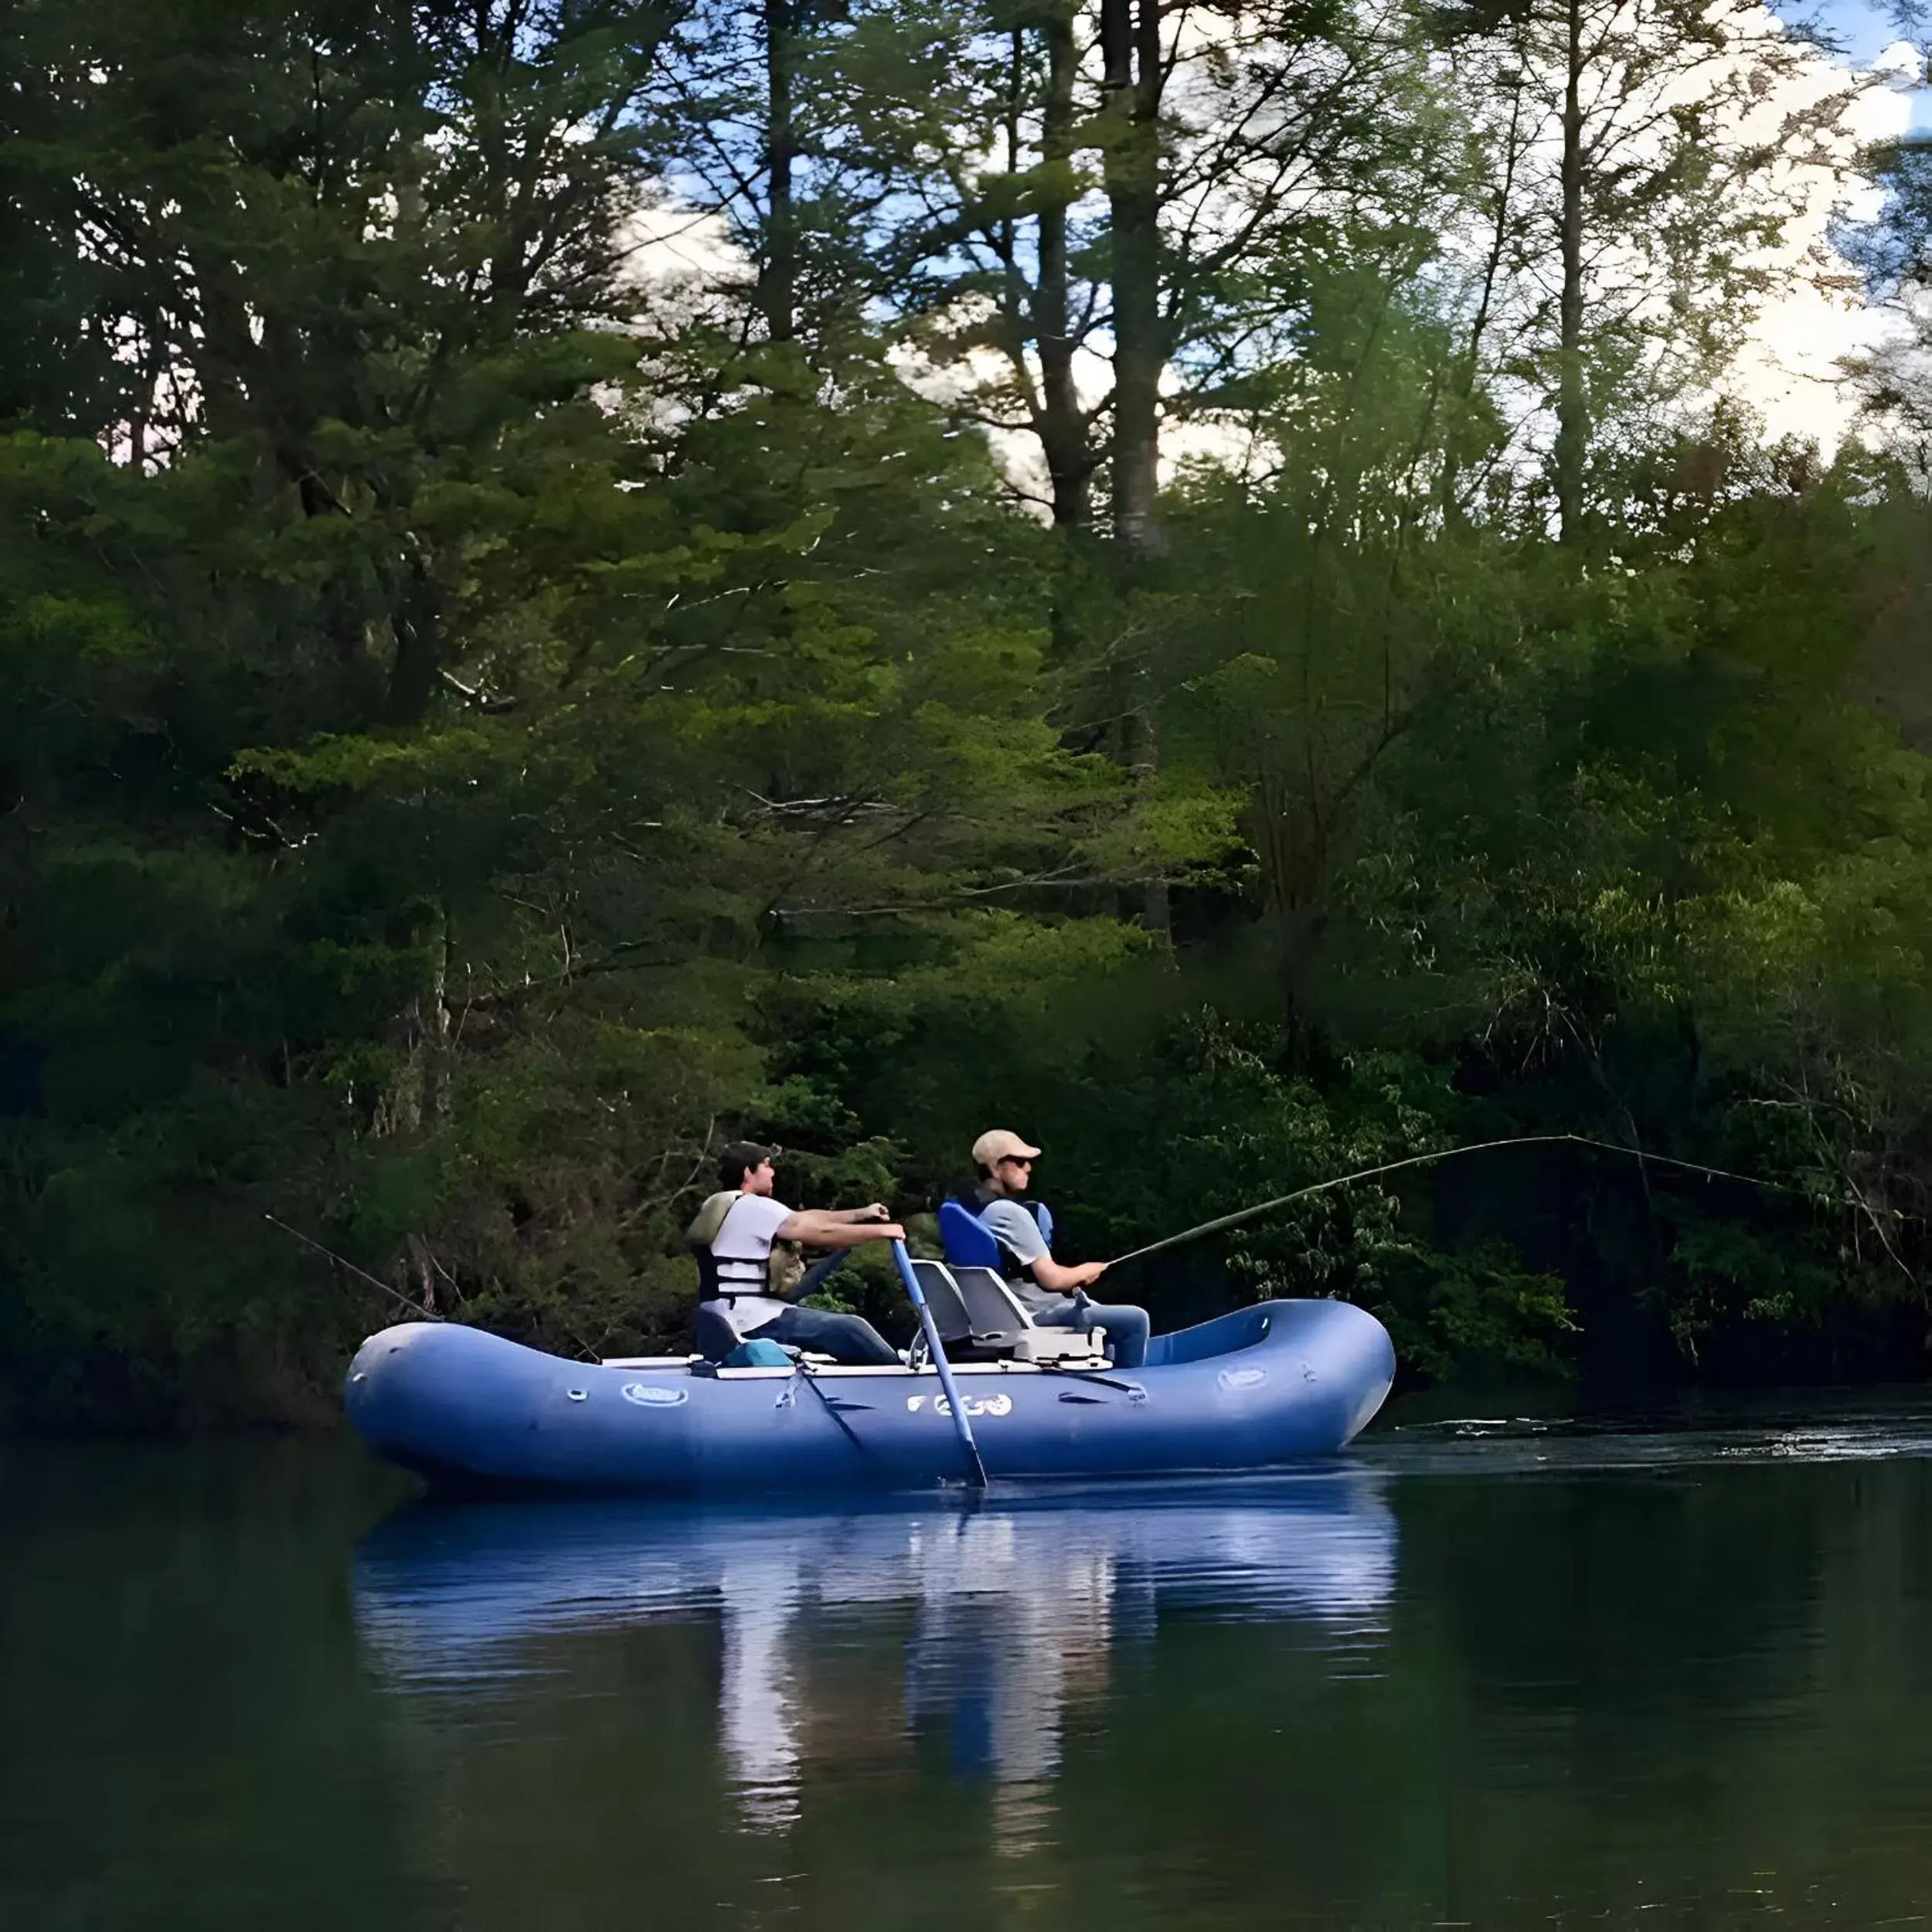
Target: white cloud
[
  {"x": 682, "y": 260},
  {"x": 1788, "y": 370}
]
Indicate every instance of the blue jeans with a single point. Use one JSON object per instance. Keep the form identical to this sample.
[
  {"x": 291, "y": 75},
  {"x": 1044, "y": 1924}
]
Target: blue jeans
[
  {"x": 1127, "y": 1326},
  {"x": 845, "y": 1338}
]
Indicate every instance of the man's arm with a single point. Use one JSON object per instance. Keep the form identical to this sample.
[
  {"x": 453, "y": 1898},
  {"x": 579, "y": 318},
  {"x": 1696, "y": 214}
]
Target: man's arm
[
  {"x": 1017, "y": 1230},
  {"x": 835, "y": 1228},
  {"x": 1058, "y": 1280}
]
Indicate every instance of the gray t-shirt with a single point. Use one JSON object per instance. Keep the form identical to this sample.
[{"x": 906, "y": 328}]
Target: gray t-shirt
[{"x": 1017, "y": 1229}]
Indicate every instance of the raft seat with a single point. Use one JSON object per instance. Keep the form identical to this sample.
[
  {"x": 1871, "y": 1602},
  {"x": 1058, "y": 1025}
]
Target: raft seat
[
  {"x": 980, "y": 1318},
  {"x": 995, "y": 1319},
  {"x": 969, "y": 1331}
]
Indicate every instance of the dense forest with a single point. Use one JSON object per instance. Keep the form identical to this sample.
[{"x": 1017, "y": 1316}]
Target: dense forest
[{"x": 581, "y": 577}]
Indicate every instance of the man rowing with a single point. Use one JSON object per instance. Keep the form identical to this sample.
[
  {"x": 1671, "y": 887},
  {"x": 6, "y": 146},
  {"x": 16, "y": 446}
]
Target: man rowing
[{"x": 747, "y": 1242}]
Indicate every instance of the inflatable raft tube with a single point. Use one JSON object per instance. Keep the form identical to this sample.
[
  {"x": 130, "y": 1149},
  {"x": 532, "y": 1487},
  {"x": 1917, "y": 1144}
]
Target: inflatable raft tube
[{"x": 1263, "y": 1386}]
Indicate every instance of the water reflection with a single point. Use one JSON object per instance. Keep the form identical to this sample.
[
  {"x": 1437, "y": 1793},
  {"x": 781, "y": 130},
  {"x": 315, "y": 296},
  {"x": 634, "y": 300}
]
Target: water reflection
[
  {"x": 1009, "y": 1613},
  {"x": 1677, "y": 1683}
]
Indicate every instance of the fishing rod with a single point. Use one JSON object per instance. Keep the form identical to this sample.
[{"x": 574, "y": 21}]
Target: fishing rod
[
  {"x": 1444, "y": 1154},
  {"x": 421, "y": 1310},
  {"x": 395, "y": 1294}
]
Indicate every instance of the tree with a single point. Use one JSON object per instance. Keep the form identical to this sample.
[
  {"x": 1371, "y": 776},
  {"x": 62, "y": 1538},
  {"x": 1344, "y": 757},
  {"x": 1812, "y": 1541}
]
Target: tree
[
  {"x": 478, "y": 728},
  {"x": 453, "y": 732},
  {"x": 1647, "y": 156}
]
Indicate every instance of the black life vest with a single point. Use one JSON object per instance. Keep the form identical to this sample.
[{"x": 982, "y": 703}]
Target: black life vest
[{"x": 722, "y": 1278}]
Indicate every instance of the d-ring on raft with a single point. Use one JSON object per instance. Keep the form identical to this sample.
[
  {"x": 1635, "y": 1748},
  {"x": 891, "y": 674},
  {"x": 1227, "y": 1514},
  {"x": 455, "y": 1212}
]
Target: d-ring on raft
[{"x": 1265, "y": 1386}]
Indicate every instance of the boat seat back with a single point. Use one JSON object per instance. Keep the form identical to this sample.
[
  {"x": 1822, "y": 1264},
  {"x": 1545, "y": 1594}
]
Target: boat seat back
[
  {"x": 968, "y": 1241},
  {"x": 951, "y": 1316}
]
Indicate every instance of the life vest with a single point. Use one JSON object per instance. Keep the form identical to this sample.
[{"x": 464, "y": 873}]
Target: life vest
[
  {"x": 723, "y": 1276},
  {"x": 969, "y": 1243}
]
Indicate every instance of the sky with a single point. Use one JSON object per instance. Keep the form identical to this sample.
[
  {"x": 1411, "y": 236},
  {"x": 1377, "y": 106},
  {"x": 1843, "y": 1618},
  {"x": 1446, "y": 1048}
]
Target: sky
[
  {"x": 1866, "y": 31},
  {"x": 1789, "y": 369}
]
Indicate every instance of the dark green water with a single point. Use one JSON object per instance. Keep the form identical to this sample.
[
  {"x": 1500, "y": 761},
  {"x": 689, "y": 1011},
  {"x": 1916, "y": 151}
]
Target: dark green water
[{"x": 1633, "y": 1682}]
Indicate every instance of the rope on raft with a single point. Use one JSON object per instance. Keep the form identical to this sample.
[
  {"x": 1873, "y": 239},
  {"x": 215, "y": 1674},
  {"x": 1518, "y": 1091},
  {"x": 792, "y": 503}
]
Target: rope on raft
[{"x": 1444, "y": 1154}]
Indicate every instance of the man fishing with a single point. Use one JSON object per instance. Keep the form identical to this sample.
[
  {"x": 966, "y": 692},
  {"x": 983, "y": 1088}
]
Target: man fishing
[
  {"x": 1046, "y": 1289},
  {"x": 746, "y": 1244}
]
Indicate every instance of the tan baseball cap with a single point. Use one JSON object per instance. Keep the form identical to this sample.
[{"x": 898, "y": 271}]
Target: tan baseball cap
[{"x": 997, "y": 1144}]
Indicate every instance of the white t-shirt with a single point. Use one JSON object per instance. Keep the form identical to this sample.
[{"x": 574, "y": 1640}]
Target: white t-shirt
[{"x": 743, "y": 1249}]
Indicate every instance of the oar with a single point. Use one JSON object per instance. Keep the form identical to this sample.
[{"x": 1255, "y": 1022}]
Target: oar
[{"x": 961, "y": 1428}]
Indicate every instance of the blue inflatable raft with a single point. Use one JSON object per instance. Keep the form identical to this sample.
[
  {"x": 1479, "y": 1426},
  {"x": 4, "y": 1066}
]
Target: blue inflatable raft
[{"x": 1263, "y": 1386}]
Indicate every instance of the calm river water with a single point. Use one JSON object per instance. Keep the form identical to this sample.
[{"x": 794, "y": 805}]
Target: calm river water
[{"x": 1452, "y": 1679}]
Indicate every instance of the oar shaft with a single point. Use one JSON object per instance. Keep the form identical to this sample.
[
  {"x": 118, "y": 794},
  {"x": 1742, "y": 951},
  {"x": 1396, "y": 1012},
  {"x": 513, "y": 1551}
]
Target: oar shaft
[{"x": 962, "y": 1426}]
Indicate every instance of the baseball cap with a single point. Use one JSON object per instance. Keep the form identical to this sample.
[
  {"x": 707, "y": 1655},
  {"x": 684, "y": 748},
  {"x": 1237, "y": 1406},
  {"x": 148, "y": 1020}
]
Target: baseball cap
[{"x": 997, "y": 1144}]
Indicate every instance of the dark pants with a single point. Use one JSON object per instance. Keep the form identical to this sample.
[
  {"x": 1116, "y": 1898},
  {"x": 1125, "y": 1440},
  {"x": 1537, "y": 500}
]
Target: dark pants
[
  {"x": 845, "y": 1338},
  {"x": 1125, "y": 1325}
]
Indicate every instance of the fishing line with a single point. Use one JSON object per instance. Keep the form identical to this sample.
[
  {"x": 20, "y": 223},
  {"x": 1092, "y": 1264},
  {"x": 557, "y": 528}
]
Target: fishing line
[
  {"x": 420, "y": 1310},
  {"x": 415, "y": 1308},
  {"x": 1445, "y": 1154}
]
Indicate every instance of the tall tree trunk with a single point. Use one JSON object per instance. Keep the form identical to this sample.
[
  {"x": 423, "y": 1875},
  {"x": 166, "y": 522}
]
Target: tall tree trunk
[
  {"x": 1291, "y": 835},
  {"x": 1572, "y": 407},
  {"x": 1063, "y": 427},
  {"x": 1471, "y": 370},
  {"x": 778, "y": 272},
  {"x": 416, "y": 617},
  {"x": 223, "y": 353},
  {"x": 420, "y": 1098},
  {"x": 1140, "y": 753},
  {"x": 1132, "y": 77}
]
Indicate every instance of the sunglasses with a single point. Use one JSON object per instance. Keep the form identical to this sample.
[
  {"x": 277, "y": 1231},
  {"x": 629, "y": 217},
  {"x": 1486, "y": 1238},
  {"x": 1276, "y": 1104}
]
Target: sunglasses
[{"x": 1015, "y": 1160}]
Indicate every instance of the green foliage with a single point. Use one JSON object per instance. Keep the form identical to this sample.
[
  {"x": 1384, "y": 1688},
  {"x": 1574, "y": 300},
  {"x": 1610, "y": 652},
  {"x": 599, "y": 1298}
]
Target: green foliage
[{"x": 475, "y": 735}]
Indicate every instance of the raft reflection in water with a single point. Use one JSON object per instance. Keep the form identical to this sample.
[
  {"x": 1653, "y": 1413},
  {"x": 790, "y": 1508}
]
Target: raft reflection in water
[{"x": 1008, "y": 1612}]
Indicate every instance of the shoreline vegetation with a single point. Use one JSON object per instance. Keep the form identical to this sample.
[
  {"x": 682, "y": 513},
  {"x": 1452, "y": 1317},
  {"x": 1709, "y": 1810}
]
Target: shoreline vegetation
[{"x": 580, "y": 578}]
